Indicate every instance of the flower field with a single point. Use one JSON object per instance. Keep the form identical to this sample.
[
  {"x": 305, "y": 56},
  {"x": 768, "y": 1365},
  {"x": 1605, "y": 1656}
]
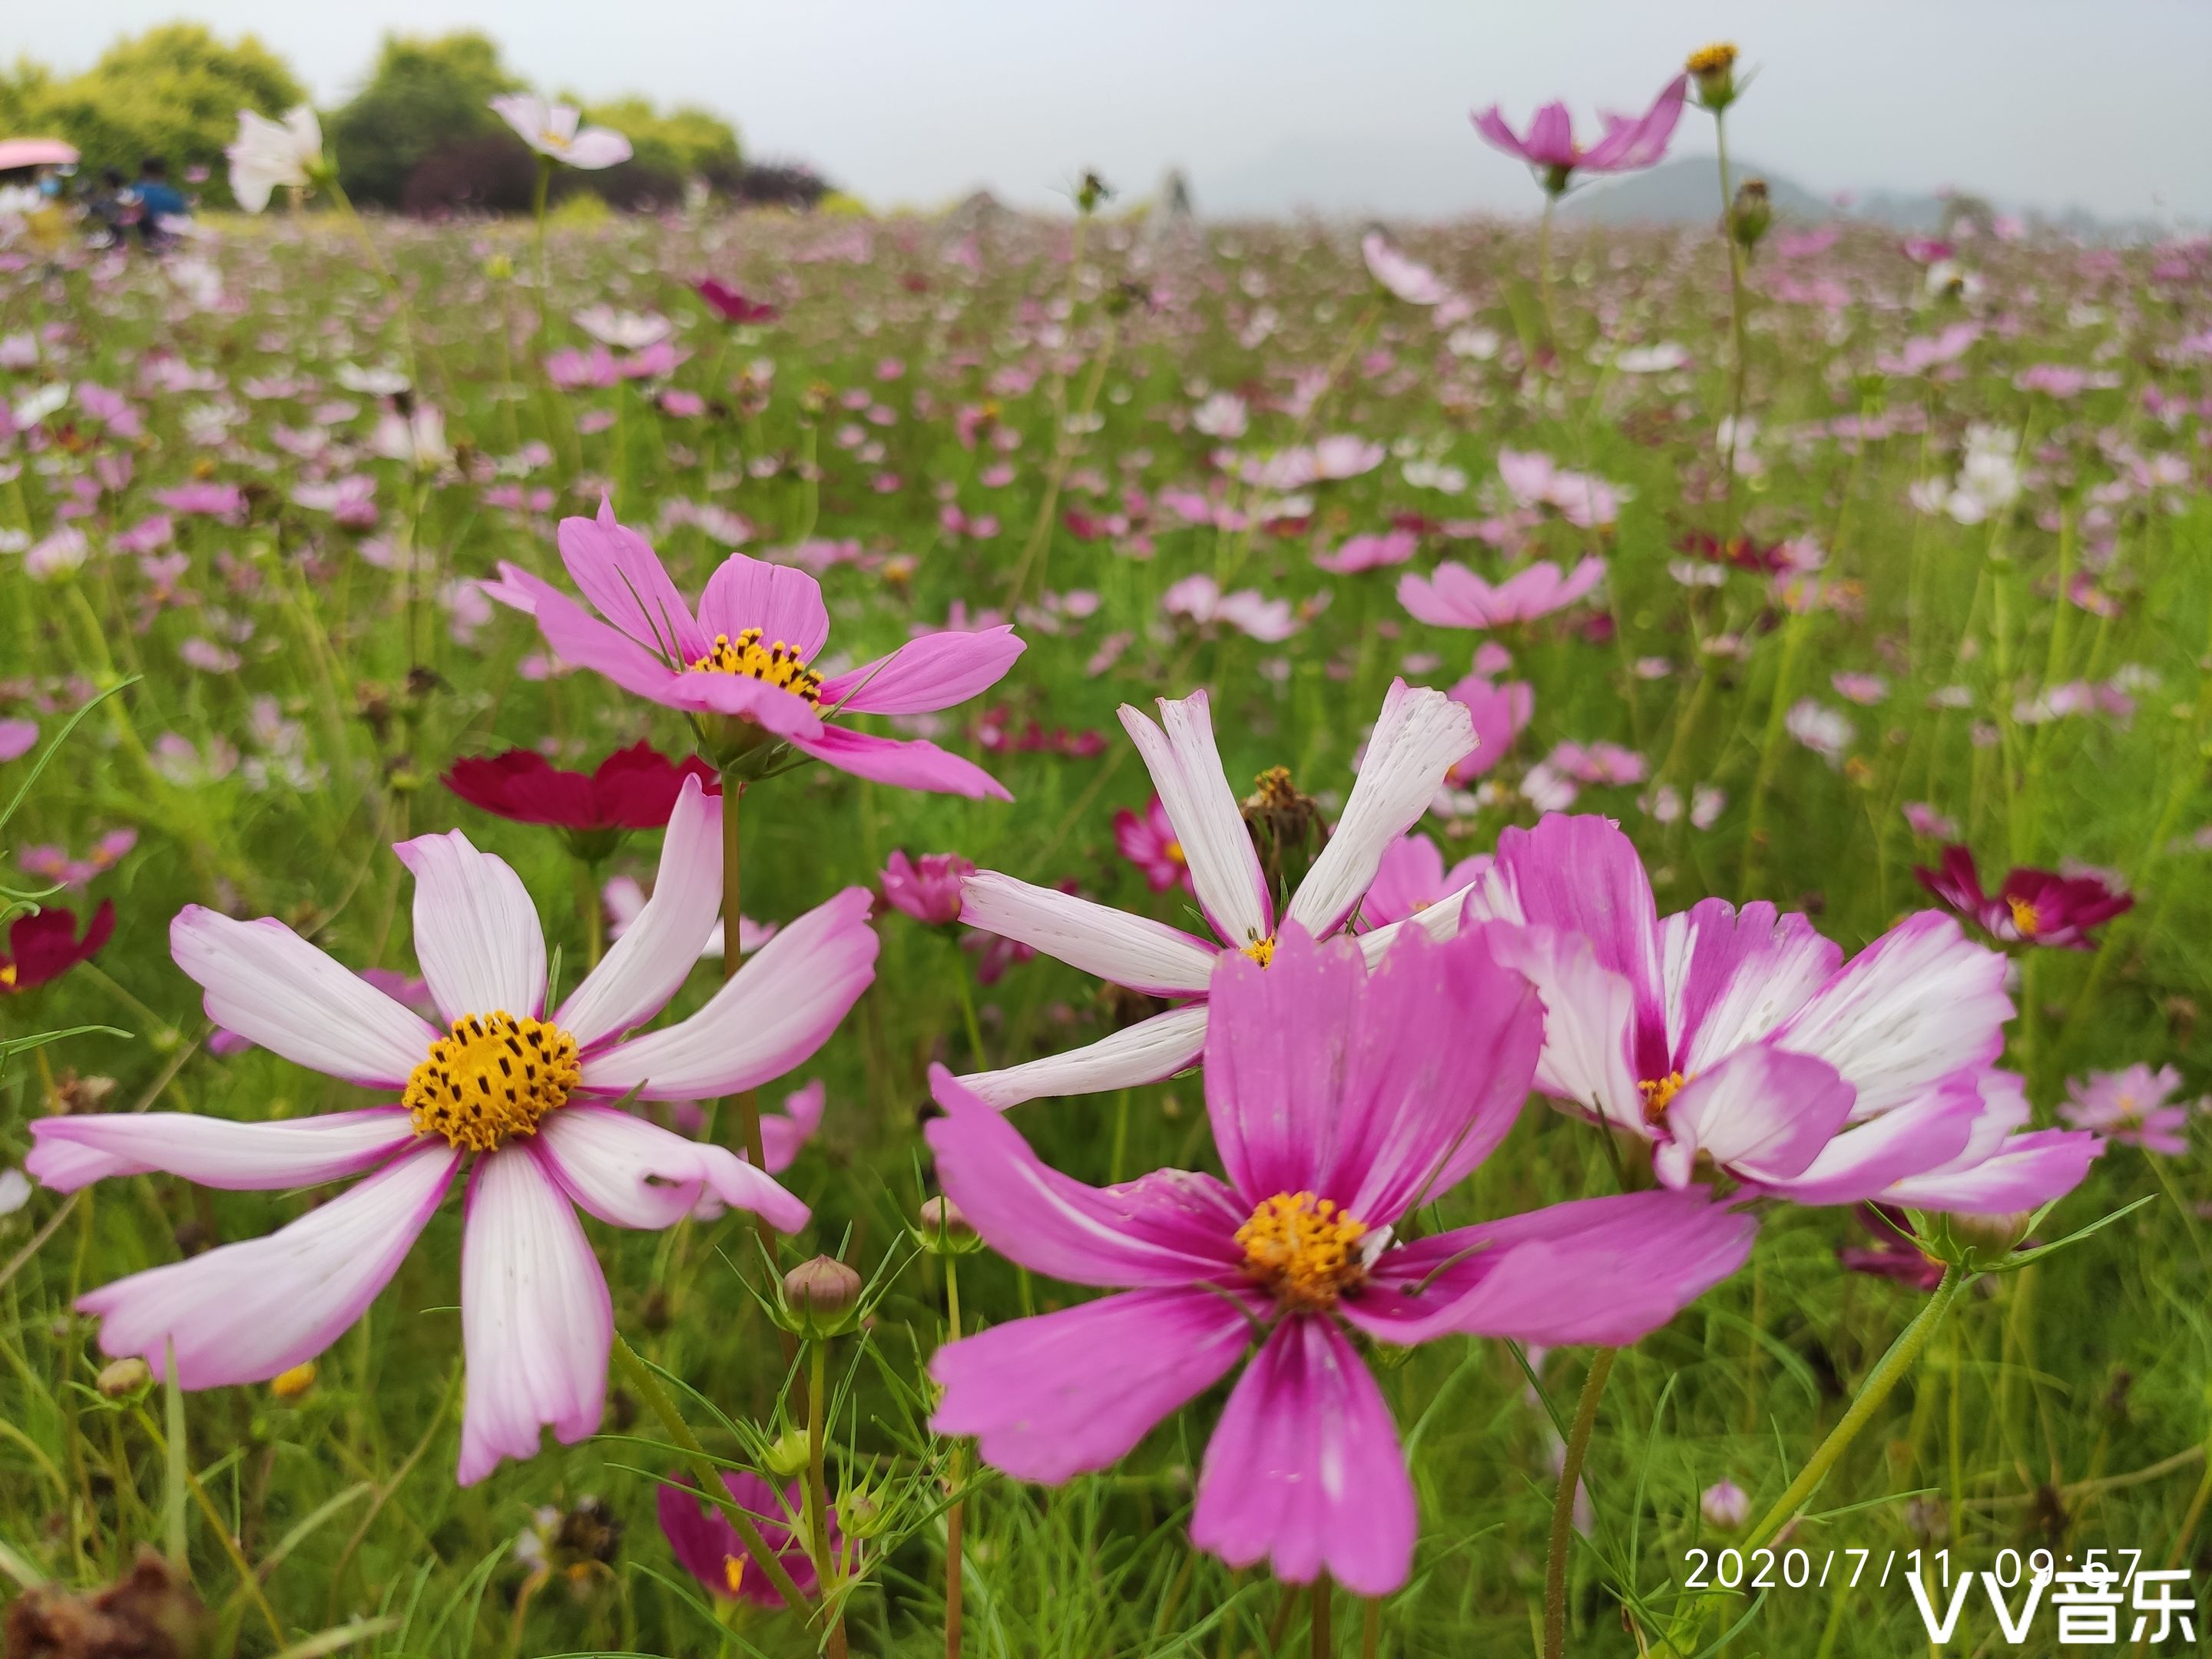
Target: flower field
[{"x": 1177, "y": 937}]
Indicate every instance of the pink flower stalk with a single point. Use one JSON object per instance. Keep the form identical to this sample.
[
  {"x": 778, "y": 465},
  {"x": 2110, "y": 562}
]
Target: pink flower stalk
[
  {"x": 740, "y": 665},
  {"x": 1455, "y": 596},
  {"x": 1629, "y": 142},
  {"x": 1500, "y": 714},
  {"x": 1342, "y": 1097},
  {"x": 929, "y": 888},
  {"x": 1412, "y": 878},
  {"x": 2131, "y": 1107},
  {"x": 533, "y": 1099},
  {"x": 1419, "y": 736},
  {"x": 1742, "y": 1040},
  {"x": 1150, "y": 843},
  {"x": 2032, "y": 906},
  {"x": 707, "y": 1547},
  {"x": 1407, "y": 278}
]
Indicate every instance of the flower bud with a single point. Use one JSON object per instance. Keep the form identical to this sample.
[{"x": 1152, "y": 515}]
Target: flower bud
[
  {"x": 1713, "y": 67},
  {"x": 786, "y": 1454},
  {"x": 1750, "y": 214},
  {"x": 1976, "y": 1244},
  {"x": 819, "y": 1296},
  {"x": 1092, "y": 193},
  {"x": 860, "y": 1514},
  {"x": 941, "y": 1229},
  {"x": 1725, "y": 1506},
  {"x": 122, "y": 1378}
]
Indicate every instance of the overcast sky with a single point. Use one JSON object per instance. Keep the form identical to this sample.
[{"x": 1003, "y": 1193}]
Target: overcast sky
[{"x": 1346, "y": 104}]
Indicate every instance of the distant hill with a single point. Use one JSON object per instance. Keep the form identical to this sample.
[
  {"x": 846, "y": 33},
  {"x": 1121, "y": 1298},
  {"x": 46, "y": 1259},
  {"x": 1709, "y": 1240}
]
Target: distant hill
[{"x": 1686, "y": 190}]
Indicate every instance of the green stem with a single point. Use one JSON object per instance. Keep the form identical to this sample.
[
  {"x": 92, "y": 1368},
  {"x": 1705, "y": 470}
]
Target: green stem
[
  {"x": 1544, "y": 273},
  {"x": 954, "y": 1518},
  {"x": 642, "y": 1378},
  {"x": 1735, "y": 329},
  {"x": 1323, "y": 1646},
  {"x": 817, "y": 1492},
  {"x": 1563, "y": 1504}
]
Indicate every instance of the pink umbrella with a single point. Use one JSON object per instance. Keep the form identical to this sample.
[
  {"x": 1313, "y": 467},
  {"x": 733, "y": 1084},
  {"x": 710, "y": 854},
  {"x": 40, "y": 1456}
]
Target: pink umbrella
[{"x": 35, "y": 153}]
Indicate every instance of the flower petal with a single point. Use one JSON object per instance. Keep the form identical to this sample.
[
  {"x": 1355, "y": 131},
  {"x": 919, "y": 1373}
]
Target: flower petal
[
  {"x": 537, "y": 1324},
  {"x": 1733, "y": 975},
  {"x": 933, "y": 672},
  {"x": 1051, "y": 1397},
  {"x": 577, "y": 637},
  {"x": 630, "y": 1173},
  {"x": 247, "y": 1312},
  {"x": 779, "y": 1008},
  {"x": 272, "y": 987},
  {"x": 70, "y": 1152},
  {"x": 910, "y": 763},
  {"x": 1761, "y": 1113},
  {"x": 1136, "y": 951},
  {"x": 1930, "y": 1131},
  {"x": 1589, "y": 1021},
  {"x": 783, "y": 602},
  {"x": 1419, "y": 736},
  {"x": 1194, "y": 792},
  {"x": 476, "y": 931},
  {"x": 654, "y": 956},
  {"x": 1143, "y": 1053},
  {"x": 616, "y": 569},
  {"x": 1305, "y": 1469},
  {"x": 2026, "y": 1173},
  {"x": 1172, "y": 1228}
]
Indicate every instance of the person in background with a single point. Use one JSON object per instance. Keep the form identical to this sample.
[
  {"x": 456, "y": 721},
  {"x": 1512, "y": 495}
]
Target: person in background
[
  {"x": 109, "y": 206},
  {"x": 158, "y": 201}
]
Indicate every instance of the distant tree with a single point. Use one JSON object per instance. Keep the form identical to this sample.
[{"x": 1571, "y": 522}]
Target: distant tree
[
  {"x": 423, "y": 96},
  {"x": 173, "y": 91},
  {"x": 780, "y": 183}
]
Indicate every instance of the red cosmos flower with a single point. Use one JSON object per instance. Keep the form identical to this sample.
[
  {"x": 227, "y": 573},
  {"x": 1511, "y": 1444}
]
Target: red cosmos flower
[
  {"x": 1741, "y": 551},
  {"x": 44, "y": 946},
  {"x": 2033, "y": 907},
  {"x": 634, "y": 788},
  {"x": 731, "y": 306}
]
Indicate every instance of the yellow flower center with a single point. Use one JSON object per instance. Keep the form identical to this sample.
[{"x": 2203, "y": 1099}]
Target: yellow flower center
[
  {"x": 1713, "y": 59},
  {"x": 1659, "y": 1094},
  {"x": 1261, "y": 951},
  {"x": 1303, "y": 1250},
  {"x": 552, "y": 140},
  {"x": 733, "y": 1573},
  {"x": 496, "y": 1076},
  {"x": 1173, "y": 853},
  {"x": 7, "y": 975},
  {"x": 2024, "y": 917},
  {"x": 776, "y": 664},
  {"x": 290, "y": 1385}
]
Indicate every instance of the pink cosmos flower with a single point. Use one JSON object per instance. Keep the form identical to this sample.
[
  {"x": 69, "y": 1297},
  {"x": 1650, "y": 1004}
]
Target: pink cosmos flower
[
  {"x": 1419, "y": 736},
  {"x": 1549, "y": 146},
  {"x": 214, "y": 501},
  {"x": 2131, "y": 1107},
  {"x": 1500, "y": 713},
  {"x": 17, "y": 738},
  {"x": 54, "y": 863},
  {"x": 2031, "y": 906},
  {"x": 1150, "y": 843},
  {"x": 1198, "y": 600},
  {"x": 731, "y": 306},
  {"x": 624, "y": 902},
  {"x": 1370, "y": 552},
  {"x": 531, "y": 1097},
  {"x": 1455, "y": 596},
  {"x": 929, "y": 888},
  {"x": 1925, "y": 820},
  {"x": 1742, "y": 1039},
  {"x": 1410, "y": 280},
  {"x": 1342, "y": 1097},
  {"x": 1583, "y": 500},
  {"x": 1411, "y": 877},
  {"x": 740, "y": 665},
  {"x": 707, "y": 1547},
  {"x": 557, "y": 131}
]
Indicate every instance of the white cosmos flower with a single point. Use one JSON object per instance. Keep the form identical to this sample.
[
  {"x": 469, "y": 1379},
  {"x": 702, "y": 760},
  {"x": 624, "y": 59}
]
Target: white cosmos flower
[
  {"x": 1419, "y": 736},
  {"x": 626, "y": 331},
  {"x": 555, "y": 130},
  {"x": 268, "y": 152}
]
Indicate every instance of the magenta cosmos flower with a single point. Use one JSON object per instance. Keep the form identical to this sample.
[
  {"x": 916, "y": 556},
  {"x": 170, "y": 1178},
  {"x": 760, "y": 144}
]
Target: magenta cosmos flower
[
  {"x": 741, "y": 665},
  {"x": 2031, "y": 906},
  {"x": 927, "y": 888},
  {"x": 1342, "y": 1097},
  {"x": 530, "y": 1100},
  {"x": 1419, "y": 735},
  {"x": 2134, "y": 1106},
  {"x": 707, "y": 1547},
  {"x": 1549, "y": 146},
  {"x": 1457, "y": 597},
  {"x": 1740, "y": 1038},
  {"x": 1150, "y": 842}
]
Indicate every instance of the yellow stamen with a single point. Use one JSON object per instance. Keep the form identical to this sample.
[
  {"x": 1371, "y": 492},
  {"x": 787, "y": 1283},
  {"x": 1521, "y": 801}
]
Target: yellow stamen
[
  {"x": 1304, "y": 1250},
  {"x": 1173, "y": 853},
  {"x": 776, "y": 664},
  {"x": 8, "y": 974},
  {"x": 290, "y": 1385},
  {"x": 496, "y": 1076},
  {"x": 1659, "y": 1094},
  {"x": 733, "y": 1573},
  {"x": 1713, "y": 59},
  {"x": 1261, "y": 951},
  {"x": 2024, "y": 917}
]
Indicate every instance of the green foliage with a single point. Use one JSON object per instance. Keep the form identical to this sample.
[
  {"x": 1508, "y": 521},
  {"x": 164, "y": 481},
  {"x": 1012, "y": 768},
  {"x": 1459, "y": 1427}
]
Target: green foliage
[
  {"x": 173, "y": 91},
  {"x": 424, "y": 96},
  {"x": 685, "y": 141}
]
